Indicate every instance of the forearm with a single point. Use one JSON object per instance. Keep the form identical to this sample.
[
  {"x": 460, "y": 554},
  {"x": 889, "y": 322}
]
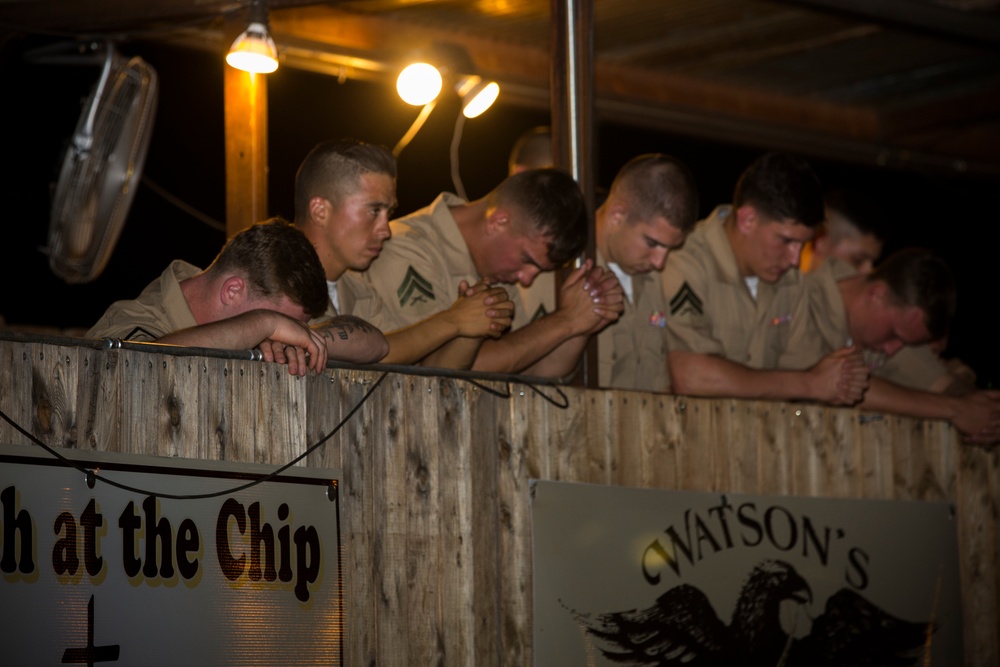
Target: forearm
[
  {"x": 885, "y": 396},
  {"x": 518, "y": 350},
  {"x": 411, "y": 344},
  {"x": 458, "y": 354},
  {"x": 694, "y": 374},
  {"x": 242, "y": 332},
  {"x": 351, "y": 339},
  {"x": 562, "y": 361}
]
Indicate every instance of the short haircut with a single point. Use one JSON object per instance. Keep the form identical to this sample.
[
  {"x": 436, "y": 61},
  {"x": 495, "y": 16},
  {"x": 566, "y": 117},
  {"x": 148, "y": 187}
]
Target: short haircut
[
  {"x": 781, "y": 187},
  {"x": 532, "y": 150},
  {"x": 553, "y": 204},
  {"x": 855, "y": 209},
  {"x": 332, "y": 168},
  {"x": 277, "y": 260},
  {"x": 654, "y": 185},
  {"x": 919, "y": 277}
]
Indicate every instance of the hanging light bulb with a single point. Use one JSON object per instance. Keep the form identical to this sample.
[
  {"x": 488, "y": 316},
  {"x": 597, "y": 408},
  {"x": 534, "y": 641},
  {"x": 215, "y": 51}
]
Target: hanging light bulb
[
  {"x": 254, "y": 50},
  {"x": 480, "y": 98},
  {"x": 419, "y": 84}
]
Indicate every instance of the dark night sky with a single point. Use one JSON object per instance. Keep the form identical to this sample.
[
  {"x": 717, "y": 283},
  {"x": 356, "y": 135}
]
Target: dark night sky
[{"x": 956, "y": 216}]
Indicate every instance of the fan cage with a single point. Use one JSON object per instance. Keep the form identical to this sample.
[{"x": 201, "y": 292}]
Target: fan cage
[{"x": 96, "y": 186}]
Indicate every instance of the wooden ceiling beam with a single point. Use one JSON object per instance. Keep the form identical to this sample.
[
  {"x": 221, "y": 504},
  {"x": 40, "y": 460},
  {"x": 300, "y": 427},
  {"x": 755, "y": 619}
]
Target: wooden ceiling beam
[{"x": 948, "y": 22}]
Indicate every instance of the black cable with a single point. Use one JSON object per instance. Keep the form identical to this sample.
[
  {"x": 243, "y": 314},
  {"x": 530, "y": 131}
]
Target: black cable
[
  {"x": 563, "y": 405},
  {"x": 91, "y": 475}
]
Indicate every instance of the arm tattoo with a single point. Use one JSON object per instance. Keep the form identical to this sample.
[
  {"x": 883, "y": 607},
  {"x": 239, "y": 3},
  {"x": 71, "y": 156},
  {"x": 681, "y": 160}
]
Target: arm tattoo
[{"x": 345, "y": 325}]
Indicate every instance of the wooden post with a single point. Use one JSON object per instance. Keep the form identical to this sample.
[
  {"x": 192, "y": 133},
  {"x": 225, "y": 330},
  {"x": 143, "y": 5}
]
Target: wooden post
[{"x": 246, "y": 143}]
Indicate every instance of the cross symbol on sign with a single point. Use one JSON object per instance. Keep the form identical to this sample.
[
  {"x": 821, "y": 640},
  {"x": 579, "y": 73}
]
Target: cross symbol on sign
[{"x": 90, "y": 654}]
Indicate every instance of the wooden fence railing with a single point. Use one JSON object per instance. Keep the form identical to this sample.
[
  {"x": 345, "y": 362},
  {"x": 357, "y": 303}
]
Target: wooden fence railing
[{"x": 435, "y": 500}]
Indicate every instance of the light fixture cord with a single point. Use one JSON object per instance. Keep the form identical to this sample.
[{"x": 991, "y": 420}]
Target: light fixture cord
[
  {"x": 456, "y": 139},
  {"x": 412, "y": 132}
]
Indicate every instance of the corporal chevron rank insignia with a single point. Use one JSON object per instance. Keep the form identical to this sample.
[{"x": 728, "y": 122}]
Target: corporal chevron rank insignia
[
  {"x": 686, "y": 301},
  {"x": 414, "y": 289}
]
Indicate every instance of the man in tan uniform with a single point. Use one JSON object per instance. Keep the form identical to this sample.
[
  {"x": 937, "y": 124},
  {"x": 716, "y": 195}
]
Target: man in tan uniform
[
  {"x": 260, "y": 290},
  {"x": 735, "y": 294},
  {"x": 345, "y": 191},
  {"x": 908, "y": 300},
  {"x": 850, "y": 234},
  {"x": 651, "y": 207},
  {"x": 531, "y": 223}
]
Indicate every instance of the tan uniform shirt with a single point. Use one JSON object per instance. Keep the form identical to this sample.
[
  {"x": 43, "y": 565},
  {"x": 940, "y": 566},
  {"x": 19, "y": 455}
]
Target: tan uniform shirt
[
  {"x": 160, "y": 309},
  {"x": 420, "y": 267},
  {"x": 358, "y": 298},
  {"x": 711, "y": 310}
]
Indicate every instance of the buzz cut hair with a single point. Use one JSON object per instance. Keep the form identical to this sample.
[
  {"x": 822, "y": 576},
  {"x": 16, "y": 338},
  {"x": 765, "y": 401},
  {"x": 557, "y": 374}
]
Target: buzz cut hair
[
  {"x": 655, "y": 184},
  {"x": 332, "y": 168},
  {"x": 781, "y": 187},
  {"x": 920, "y": 277},
  {"x": 553, "y": 205}
]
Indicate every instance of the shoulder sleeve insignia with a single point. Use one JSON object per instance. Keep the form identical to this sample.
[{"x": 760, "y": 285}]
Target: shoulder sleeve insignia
[
  {"x": 141, "y": 335},
  {"x": 414, "y": 288},
  {"x": 686, "y": 301}
]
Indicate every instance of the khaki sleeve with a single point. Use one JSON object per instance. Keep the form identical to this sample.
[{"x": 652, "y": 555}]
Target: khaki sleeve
[
  {"x": 129, "y": 320},
  {"x": 689, "y": 324},
  {"x": 412, "y": 281}
]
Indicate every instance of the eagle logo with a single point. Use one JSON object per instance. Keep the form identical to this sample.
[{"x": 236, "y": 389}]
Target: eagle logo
[{"x": 682, "y": 628}]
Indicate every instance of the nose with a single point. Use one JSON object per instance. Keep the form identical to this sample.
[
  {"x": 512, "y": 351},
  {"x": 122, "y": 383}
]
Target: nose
[
  {"x": 382, "y": 230},
  {"x": 659, "y": 258},
  {"x": 794, "y": 253},
  {"x": 527, "y": 275}
]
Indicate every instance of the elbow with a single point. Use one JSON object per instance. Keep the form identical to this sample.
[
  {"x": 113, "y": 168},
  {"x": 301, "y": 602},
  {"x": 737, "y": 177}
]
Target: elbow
[
  {"x": 379, "y": 351},
  {"x": 680, "y": 377}
]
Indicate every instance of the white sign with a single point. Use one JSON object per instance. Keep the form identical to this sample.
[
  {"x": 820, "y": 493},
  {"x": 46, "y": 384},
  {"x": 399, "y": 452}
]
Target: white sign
[
  {"x": 646, "y": 577},
  {"x": 180, "y": 567}
]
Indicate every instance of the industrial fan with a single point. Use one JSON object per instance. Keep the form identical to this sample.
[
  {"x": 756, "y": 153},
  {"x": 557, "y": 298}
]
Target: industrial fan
[{"x": 101, "y": 168}]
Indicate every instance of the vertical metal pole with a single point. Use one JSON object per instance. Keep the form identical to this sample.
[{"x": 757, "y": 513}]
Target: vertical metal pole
[{"x": 572, "y": 101}]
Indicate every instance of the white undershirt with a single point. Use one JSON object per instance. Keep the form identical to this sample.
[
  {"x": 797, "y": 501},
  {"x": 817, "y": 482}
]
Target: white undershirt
[
  {"x": 331, "y": 289},
  {"x": 752, "y": 283},
  {"x": 624, "y": 278}
]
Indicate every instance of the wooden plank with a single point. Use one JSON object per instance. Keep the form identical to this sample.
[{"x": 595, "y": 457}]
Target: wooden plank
[
  {"x": 525, "y": 426},
  {"x": 488, "y": 517},
  {"x": 15, "y": 374},
  {"x": 241, "y": 399},
  {"x": 599, "y": 461},
  {"x": 659, "y": 438},
  {"x": 389, "y": 507},
  {"x": 622, "y": 454},
  {"x": 874, "y": 435},
  {"x": 362, "y": 546},
  {"x": 977, "y": 504},
  {"x": 695, "y": 455},
  {"x": 213, "y": 433},
  {"x": 282, "y": 398}
]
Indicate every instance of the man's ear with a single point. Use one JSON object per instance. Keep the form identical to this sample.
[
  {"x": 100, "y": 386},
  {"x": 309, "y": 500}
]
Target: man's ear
[
  {"x": 747, "y": 218},
  {"x": 497, "y": 220},
  {"x": 619, "y": 213},
  {"x": 319, "y": 208},
  {"x": 234, "y": 291},
  {"x": 878, "y": 291}
]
